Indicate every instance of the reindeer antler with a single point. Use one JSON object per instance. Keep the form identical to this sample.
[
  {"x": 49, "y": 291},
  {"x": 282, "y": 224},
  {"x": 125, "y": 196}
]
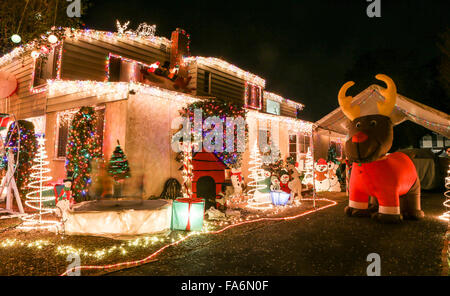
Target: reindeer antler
[
  {"x": 345, "y": 102},
  {"x": 389, "y": 94}
]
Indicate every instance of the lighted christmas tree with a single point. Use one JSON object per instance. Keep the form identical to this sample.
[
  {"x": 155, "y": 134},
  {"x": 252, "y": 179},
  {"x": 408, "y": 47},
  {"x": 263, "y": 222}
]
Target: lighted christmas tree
[
  {"x": 118, "y": 164},
  {"x": 36, "y": 199},
  {"x": 256, "y": 172},
  {"x": 118, "y": 168},
  {"x": 309, "y": 167},
  {"x": 25, "y": 149},
  {"x": 82, "y": 147}
]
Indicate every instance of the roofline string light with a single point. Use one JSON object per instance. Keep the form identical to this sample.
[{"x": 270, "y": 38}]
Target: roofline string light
[{"x": 227, "y": 67}]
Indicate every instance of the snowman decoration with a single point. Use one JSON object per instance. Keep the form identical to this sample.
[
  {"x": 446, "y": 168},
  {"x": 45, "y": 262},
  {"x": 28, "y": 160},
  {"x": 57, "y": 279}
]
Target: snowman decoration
[
  {"x": 284, "y": 182},
  {"x": 275, "y": 184},
  {"x": 237, "y": 181},
  {"x": 335, "y": 186},
  {"x": 322, "y": 182}
]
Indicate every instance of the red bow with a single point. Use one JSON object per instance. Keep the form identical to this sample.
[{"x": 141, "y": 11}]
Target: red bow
[{"x": 190, "y": 201}]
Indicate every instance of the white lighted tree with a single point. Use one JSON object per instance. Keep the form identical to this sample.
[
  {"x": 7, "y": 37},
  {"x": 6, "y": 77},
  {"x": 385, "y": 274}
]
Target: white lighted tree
[
  {"x": 256, "y": 172},
  {"x": 35, "y": 199}
]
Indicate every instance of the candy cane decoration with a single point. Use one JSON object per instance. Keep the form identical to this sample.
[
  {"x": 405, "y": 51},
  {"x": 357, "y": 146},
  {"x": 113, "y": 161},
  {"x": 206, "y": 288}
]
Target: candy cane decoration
[
  {"x": 446, "y": 215},
  {"x": 187, "y": 170}
]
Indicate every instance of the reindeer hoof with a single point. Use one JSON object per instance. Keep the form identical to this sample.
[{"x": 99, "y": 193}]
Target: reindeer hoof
[
  {"x": 414, "y": 215},
  {"x": 387, "y": 218},
  {"x": 352, "y": 212}
]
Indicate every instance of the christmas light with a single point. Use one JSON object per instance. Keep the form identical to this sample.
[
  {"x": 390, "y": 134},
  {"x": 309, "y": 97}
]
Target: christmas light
[
  {"x": 52, "y": 39},
  {"x": 446, "y": 215},
  {"x": 280, "y": 99},
  {"x": 35, "y": 199},
  {"x": 293, "y": 124},
  {"x": 256, "y": 172},
  {"x": 226, "y": 67},
  {"x": 35, "y": 54},
  {"x": 16, "y": 38},
  {"x": 177, "y": 242}
]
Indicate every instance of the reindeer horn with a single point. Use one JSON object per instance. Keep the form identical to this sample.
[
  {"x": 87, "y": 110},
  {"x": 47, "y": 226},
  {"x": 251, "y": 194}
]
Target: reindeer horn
[
  {"x": 389, "y": 94},
  {"x": 345, "y": 102}
]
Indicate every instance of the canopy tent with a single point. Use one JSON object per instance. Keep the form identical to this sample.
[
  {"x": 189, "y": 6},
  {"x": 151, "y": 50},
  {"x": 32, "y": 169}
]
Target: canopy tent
[{"x": 405, "y": 109}]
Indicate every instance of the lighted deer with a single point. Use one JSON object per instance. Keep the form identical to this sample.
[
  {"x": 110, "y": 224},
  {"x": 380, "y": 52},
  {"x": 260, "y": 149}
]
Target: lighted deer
[{"x": 392, "y": 178}]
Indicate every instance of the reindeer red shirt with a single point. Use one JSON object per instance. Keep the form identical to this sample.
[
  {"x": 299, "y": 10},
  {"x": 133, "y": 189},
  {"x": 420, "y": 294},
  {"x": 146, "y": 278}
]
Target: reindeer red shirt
[{"x": 386, "y": 179}]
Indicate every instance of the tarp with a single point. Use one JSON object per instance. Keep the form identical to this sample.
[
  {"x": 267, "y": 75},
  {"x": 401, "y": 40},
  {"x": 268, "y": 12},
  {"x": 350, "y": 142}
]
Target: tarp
[
  {"x": 405, "y": 109},
  {"x": 126, "y": 217}
]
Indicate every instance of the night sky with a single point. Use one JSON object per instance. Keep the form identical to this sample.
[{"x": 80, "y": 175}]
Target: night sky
[{"x": 304, "y": 49}]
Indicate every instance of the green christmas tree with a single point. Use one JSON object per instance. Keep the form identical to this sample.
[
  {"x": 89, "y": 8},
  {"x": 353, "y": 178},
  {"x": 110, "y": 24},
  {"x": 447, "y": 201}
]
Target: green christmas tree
[
  {"x": 82, "y": 147},
  {"x": 25, "y": 149},
  {"x": 118, "y": 164}
]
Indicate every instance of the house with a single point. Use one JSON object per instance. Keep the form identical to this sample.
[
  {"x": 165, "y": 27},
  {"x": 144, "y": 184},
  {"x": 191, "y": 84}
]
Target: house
[{"x": 120, "y": 74}]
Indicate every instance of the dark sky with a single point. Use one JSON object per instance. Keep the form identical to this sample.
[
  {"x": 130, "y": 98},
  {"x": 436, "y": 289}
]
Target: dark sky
[{"x": 304, "y": 49}]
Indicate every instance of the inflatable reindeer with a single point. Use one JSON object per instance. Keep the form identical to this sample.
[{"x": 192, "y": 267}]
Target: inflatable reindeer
[{"x": 392, "y": 178}]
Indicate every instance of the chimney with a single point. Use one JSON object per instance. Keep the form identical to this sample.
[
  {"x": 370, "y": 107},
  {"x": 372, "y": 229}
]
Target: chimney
[{"x": 180, "y": 47}]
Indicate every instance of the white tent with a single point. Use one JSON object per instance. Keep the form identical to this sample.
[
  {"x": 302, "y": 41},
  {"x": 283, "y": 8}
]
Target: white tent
[{"x": 405, "y": 109}]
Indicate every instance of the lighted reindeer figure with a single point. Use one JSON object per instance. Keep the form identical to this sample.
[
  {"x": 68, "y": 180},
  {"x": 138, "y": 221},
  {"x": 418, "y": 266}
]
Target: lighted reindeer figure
[{"x": 391, "y": 179}]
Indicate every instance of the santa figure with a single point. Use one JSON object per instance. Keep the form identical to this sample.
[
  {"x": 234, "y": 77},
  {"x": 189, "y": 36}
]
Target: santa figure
[
  {"x": 284, "y": 182},
  {"x": 322, "y": 182}
]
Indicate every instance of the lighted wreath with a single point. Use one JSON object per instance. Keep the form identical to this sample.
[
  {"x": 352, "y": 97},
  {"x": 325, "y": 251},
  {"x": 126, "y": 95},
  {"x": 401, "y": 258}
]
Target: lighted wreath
[{"x": 222, "y": 109}]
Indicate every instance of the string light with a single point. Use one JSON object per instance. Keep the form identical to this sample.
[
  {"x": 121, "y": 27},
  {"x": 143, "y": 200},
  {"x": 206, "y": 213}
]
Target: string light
[
  {"x": 35, "y": 199},
  {"x": 446, "y": 215},
  {"x": 280, "y": 99},
  {"x": 226, "y": 67},
  {"x": 177, "y": 242},
  {"x": 295, "y": 125}
]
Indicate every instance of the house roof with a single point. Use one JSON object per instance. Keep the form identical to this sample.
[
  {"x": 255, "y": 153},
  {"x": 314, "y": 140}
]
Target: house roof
[{"x": 405, "y": 109}]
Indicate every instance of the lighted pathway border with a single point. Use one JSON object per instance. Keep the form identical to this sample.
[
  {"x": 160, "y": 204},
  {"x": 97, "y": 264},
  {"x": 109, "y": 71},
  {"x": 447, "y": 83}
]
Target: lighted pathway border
[{"x": 153, "y": 255}]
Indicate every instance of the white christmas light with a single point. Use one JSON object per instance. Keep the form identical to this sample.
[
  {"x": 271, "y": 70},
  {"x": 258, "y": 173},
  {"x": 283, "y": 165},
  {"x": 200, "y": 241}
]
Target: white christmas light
[
  {"x": 446, "y": 215},
  {"x": 52, "y": 39},
  {"x": 35, "y": 54},
  {"x": 16, "y": 38},
  {"x": 35, "y": 199},
  {"x": 227, "y": 67},
  {"x": 280, "y": 99}
]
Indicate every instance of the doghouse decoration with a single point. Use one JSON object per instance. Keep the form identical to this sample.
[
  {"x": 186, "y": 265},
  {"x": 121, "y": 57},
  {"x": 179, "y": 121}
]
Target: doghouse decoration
[
  {"x": 187, "y": 214},
  {"x": 390, "y": 178}
]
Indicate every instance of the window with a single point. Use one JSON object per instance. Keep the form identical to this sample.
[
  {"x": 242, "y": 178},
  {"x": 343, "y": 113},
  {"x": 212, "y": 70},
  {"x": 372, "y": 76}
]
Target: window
[
  {"x": 304, "y": 142},
  {"x": 45, "y": 67},
  {"x": 207, "y": 82},
  {"x": 293, "y": 146},
  {"x": 337, "y": 147},
  {"x": 252, "y": 96},
  {"x": 64, "y": 120},
  {"x": 272, "y": 107}
]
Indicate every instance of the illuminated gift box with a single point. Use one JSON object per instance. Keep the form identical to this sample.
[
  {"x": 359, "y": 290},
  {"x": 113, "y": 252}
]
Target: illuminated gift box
[
  {"x": 187, "y": 214},
  {"x": 279, "y": 198}
]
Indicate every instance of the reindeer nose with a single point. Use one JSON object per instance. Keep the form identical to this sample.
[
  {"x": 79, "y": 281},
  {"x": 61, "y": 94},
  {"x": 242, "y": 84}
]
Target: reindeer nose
[{"x": 359, "y": 137}]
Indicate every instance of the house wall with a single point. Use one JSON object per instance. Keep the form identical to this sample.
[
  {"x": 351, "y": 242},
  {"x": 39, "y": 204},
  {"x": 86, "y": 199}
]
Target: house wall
[
  {"x": 148, "y": 144},
  {"x": 23, "y": 103},
  {"x": 84, "y": 58}
]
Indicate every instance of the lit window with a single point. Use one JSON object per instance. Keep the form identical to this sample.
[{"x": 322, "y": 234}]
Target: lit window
[
  {"x": 64, "y": 121},
  {"x": 252, "y": 96}
]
